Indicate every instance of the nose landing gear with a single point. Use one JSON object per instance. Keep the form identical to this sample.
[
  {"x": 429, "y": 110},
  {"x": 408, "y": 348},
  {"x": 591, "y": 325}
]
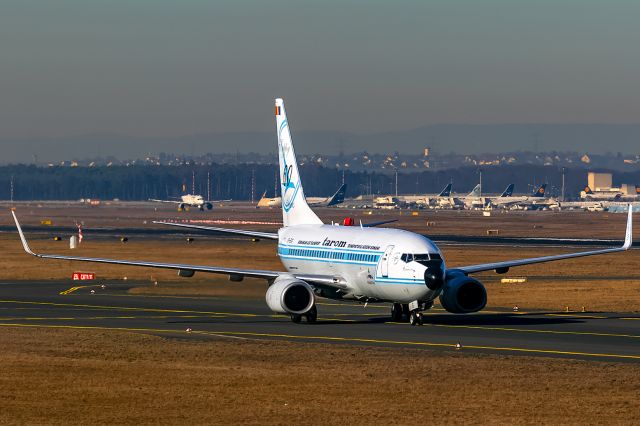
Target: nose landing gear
[
  {"x": 415, "y": 318},
  {"x": 411, "y": 313}
]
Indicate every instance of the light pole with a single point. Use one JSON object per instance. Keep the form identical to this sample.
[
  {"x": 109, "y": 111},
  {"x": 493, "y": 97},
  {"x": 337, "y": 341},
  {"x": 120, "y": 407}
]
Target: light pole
[
  {"x": 563, "y": 170},
  {"x": 396, "y": 182}
]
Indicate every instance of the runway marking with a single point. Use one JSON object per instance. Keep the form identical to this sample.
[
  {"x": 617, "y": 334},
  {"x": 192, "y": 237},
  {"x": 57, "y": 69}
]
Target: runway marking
[
  {"x": 108, "y": 317},
  {"x": 631, "y": 318},
  {"x": 569, "y": 315},
  {"x": 526, "y": 330},
  {"x": 329, "y": 317},
  {"x": 128, "y": 308},
  {"x": 165, "y": 296},
  {"x": 219, "y": 335},
  {"x": 71, "y": 290},
  {"x": 344, "y": 339},
  {"x": 409, "y": 343}
]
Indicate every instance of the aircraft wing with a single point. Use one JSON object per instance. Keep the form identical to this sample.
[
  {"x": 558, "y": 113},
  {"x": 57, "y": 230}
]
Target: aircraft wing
[
  {"x": 166, "y": 201},
  {"x": 265, "y": 235},
  {"x": 382, "y": 222},
  {"x": 502, "y": 267},
  {"x": 326, "y": 281}
]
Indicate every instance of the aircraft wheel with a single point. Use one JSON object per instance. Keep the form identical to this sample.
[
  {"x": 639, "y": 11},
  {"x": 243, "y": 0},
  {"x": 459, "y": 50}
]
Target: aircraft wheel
[
  {"x": 296, "y": 318},
  {"x": 415, "y": 318},
  {"x": 396, "y": 312},
  {"x": 312, "y": 315}
]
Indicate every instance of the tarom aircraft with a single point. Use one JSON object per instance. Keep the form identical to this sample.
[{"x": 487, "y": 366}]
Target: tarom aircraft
[{"x": 358, "y": 263}]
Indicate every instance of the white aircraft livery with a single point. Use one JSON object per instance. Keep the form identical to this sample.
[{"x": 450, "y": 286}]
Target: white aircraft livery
[
  {"x": 359, "y": 263},
  {"x": 188, "y": 200}
]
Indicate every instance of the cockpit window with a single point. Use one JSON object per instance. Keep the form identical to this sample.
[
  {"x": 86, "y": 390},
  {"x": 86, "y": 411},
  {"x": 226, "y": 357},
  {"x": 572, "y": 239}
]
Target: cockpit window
[
  {"x": 423, "y": 257},
  {"x": 407, "y": 257},
  {"x": 420, "y": 257}
]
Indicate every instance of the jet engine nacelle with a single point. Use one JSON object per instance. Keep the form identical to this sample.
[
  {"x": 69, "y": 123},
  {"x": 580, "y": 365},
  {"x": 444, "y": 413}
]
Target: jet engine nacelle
[
  {"x": 288, "y": 295},
  {"x": 463, "y": 295}
]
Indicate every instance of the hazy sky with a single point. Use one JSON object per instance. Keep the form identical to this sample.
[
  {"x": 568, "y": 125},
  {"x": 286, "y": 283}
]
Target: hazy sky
[{"x": 167, "y": 68}]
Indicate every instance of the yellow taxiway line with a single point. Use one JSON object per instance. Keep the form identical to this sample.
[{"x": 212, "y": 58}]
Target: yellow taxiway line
[
  {"x": 128, "y": 308},
  {"x": 330, "y": 317},
  {"x": 342, "y": 339}
]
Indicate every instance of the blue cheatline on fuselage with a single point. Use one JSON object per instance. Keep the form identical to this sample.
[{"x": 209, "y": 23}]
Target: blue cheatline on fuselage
[{"x": 341, "y": 256}]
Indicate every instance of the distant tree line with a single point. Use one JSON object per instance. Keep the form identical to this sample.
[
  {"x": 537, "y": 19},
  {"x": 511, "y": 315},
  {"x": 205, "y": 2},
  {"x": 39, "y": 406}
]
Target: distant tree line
[{"x": 238, "y": 182}]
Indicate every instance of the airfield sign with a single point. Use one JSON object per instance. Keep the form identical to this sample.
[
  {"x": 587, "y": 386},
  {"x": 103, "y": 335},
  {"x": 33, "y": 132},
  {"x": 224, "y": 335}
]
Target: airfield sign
[{"x": 83, "y": 276}]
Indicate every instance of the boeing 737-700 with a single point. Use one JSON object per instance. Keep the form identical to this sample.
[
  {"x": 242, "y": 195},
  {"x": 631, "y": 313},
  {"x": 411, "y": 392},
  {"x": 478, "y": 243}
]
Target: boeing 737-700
[{"x": 356, "y": 263}]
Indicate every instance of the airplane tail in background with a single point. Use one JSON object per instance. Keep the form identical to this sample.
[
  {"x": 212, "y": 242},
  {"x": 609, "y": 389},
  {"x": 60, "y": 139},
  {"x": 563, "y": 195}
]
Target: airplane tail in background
[
  {"x": 338, "y": 197},
  {"x": 509, "y": 191},
  {"x": 446, "y": 192},
  {"x": 540, "y": 192},
  {"x": 475, "y": 192},
  {"x": 295, "y": 210}
]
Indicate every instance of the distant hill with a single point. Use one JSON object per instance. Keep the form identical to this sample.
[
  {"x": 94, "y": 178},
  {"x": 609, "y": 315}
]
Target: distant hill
[{"x": 444, "y": 138}]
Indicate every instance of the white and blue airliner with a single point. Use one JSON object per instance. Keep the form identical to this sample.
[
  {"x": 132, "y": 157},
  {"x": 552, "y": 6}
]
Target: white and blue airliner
[{"x": 360, "y": 263}]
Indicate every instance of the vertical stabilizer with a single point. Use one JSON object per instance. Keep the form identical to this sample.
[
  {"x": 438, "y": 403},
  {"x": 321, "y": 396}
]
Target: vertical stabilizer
[
  {"x": 509, "y": 191},
  {"x": 446, "y": 192},
  {"x": 295, "y": 210},
  {"x": 540, "y": 192},
  {"x": 338, "y": 197},
  {"x": 475, "y": 192}
]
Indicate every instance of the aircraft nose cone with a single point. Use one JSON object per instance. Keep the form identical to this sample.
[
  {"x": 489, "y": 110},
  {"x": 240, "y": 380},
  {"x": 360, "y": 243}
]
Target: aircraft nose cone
[{"x": 434, "y": 275}]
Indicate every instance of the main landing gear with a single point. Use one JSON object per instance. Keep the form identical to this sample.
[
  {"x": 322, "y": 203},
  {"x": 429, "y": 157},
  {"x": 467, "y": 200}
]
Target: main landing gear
[
  {"x": 311, "y": 316},
  {"x": 400, "y": 312}
]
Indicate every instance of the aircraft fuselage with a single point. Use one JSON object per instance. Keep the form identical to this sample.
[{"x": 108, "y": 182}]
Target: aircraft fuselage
[{"x": 377, "y": 263}]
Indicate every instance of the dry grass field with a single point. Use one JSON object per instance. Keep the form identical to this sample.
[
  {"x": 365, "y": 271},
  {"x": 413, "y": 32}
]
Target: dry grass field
[
  {"x": 89, "y": 377},
  {"x": 65, "y": 376}
]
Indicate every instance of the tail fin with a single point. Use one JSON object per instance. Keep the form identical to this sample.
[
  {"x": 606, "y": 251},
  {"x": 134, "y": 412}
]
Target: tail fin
[
  {"x": 446, "y": 192},
  {"x": 587, "y": 190},
  {"x": 475, "y": 192},
  {"x": 540, "y": 192},
  {"x": 338, "y": 197},
  {"x": 295, "y": 210},
  {"x": 509, "y": 191}
]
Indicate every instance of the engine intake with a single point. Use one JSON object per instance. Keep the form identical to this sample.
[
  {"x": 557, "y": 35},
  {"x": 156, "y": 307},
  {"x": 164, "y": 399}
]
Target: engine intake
[
  {"x": 288, "y": 295},
  {"x": 463, "y": 295}
]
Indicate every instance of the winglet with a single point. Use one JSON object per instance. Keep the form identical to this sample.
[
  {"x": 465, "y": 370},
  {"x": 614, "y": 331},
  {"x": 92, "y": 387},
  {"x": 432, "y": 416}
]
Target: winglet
[
  {"x": 24, "y": 240},
  {"x": 628, "y": 237}
]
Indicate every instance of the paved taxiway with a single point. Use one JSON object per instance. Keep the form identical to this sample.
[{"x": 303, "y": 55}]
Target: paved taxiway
[{"x": 597, "y": 336}]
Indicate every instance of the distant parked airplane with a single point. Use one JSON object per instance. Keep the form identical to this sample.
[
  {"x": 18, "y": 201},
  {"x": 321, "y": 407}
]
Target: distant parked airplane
[{"x": 187, "y": 201}]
